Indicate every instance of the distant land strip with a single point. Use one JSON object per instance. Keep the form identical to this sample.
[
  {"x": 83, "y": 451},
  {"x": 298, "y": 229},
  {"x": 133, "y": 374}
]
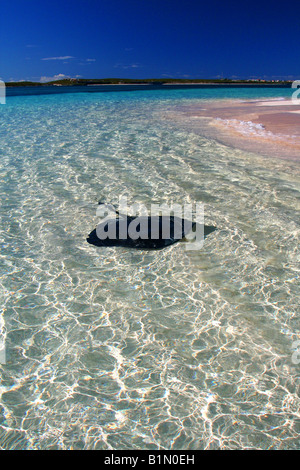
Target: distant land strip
[{"x": 149, "y": 81}]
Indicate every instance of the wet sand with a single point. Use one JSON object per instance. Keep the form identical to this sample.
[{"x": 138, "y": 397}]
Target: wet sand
[{"x": 271, "y": 128}]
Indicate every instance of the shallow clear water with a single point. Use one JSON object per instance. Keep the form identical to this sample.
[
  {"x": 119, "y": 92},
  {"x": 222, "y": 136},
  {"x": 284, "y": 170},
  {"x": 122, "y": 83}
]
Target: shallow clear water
[{"x": 110, "y": 348}]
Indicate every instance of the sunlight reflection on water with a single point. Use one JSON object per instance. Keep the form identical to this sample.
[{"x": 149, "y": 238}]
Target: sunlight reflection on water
[{"x": 109, "y": 348}]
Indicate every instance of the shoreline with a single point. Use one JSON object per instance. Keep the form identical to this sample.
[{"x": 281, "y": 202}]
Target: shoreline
[{"x": 267, "y": 127}]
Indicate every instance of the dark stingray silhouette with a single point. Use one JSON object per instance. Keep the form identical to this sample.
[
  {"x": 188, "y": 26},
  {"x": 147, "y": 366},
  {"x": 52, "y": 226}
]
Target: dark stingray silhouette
[{"x": 153, "y": 232}]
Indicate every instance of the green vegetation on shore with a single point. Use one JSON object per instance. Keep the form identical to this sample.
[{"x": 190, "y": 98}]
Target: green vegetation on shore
[{"x": 145, "y": 81}]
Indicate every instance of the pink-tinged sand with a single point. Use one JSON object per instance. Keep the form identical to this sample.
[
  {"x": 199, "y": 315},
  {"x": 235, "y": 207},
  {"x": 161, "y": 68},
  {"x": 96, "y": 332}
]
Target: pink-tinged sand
[{"x": 269, "y": 128}]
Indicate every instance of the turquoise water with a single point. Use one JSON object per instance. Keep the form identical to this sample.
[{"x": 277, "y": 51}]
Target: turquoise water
[{"x": 109, "y": 348}]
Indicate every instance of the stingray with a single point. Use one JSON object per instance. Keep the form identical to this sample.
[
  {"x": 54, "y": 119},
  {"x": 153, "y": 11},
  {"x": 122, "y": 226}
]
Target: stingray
[{"x": 143, "y": 232}]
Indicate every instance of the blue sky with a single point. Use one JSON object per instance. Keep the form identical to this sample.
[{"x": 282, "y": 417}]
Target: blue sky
[{"x": 42, "y": 40}]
